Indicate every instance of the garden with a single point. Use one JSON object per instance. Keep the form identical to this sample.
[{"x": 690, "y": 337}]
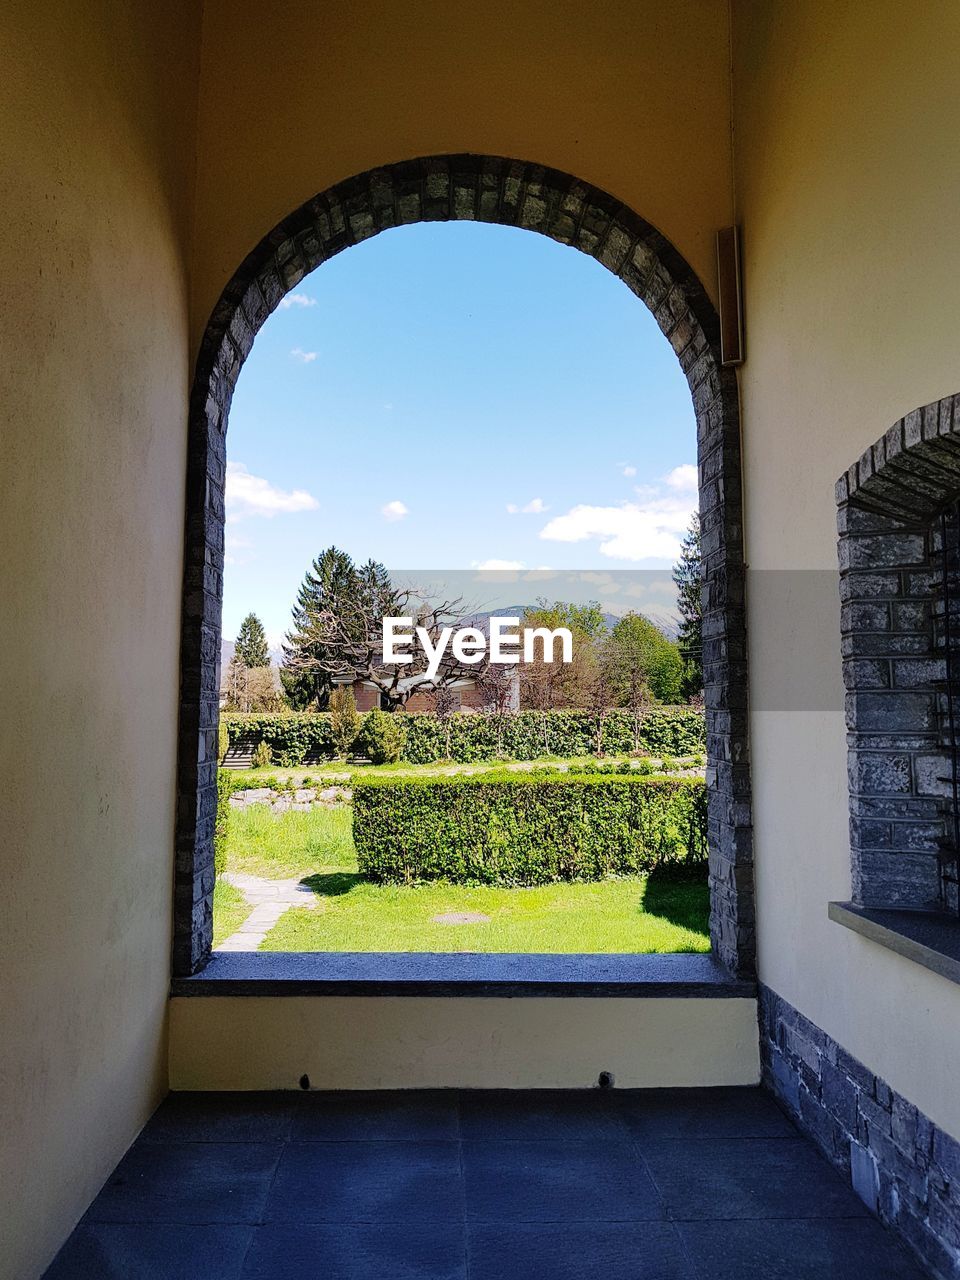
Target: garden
[{"x": 552, "y": 831}]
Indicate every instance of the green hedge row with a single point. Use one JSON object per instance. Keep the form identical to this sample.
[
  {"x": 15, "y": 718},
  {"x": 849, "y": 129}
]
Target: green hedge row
[
  {"x": 467, "y": 739},
  {"x": 507, "y": 829},
  {"x": 225, "y": 789}
]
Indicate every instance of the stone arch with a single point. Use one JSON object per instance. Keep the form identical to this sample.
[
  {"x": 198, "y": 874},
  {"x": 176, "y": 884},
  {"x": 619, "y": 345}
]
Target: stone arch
[
  {"x": 511, "y": 193},
  {"x": 893, "y": 606}
]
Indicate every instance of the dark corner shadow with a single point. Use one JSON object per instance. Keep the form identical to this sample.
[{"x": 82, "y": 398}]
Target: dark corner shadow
[
  {"x": 333, "y": 884},
  {"x": 679, "y": 894}
]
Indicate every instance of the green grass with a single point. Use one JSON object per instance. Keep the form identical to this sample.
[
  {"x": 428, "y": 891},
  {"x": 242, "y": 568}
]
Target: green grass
[
  {"x": 341, "y": 770},
  {"x": 230, "y": 909},
  {"x": 634, "y": 914}
]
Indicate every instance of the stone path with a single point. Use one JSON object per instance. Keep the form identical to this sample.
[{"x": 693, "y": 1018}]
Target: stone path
[{"x": 269, "y": 900}]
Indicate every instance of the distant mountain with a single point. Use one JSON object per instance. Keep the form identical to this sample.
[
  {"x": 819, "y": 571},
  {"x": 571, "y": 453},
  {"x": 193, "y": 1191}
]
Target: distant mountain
[
  {"x": 667, "y": 623},
  {"x": 227, "y": 648}
]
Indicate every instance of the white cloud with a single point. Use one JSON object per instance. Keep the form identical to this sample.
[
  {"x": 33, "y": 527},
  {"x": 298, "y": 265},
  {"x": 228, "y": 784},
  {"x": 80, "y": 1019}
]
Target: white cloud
[
  {"x": 683, "y": 478},
  {"x": 296, "y": 300},
  {"x": 250, "y": 495},
  {"x": 394, "y": 510},
  {"x": 305, "y": 357},
  {"x": 494, "y": 566},
  {"x": 648, "y": 529},
  {"x": 628, "y": 469},
  {"x": 535, "y": 507},
  {"x": 234, "y": 547}
]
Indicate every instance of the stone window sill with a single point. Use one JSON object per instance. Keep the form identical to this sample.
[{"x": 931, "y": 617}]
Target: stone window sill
[
  {"x": 927, "y": 938},
  {"x": 328, "y": 973}
]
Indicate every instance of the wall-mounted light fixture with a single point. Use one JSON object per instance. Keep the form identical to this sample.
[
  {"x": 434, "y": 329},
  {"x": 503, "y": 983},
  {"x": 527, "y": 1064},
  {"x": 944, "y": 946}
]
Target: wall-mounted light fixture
[{"x": 731, "y": 300}]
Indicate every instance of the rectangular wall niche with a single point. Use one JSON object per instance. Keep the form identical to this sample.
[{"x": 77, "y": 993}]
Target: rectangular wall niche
[{"x": 900, "y": 619}]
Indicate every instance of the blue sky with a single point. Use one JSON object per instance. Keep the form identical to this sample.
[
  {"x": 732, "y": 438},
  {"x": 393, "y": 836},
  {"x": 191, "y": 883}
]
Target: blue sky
[{"x": 456, "y": 396}]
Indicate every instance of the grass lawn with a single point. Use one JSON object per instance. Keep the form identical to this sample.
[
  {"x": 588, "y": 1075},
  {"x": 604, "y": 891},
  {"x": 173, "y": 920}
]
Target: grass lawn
[
  {"x": 229, "y": 911},
  {"x": 341, "y": 770},
  {"x": 635, "y": 914}
]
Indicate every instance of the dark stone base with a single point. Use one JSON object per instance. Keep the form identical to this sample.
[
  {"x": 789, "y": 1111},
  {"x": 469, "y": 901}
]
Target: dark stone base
[{"x": 901, "y": 1165}]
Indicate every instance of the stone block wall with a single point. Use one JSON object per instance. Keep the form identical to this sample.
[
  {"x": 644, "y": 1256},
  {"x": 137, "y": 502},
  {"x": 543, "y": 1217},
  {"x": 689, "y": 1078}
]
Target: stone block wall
[
  {"x": 904, "y": 1168},
  {"x": 511, "y": 193},
  {"x": 893, "y": 651}
]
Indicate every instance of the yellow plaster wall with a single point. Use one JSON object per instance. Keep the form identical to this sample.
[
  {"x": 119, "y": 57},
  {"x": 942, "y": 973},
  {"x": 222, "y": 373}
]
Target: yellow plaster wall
[
  {"x": 847, "y": 145},
  {"x": 630, "y": 95},
  {"x": 414, "y": 1042},
  {"x": 97, "y": 109}
]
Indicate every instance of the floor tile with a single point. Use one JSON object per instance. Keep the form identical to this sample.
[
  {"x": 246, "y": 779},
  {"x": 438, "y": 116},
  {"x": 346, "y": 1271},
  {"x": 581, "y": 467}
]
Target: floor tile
[
  {"x": 570, "y": 1115},
  {"x": 811, "y": 1250},
  {"x": 702, "y": 1113},
  {"x": 188, "y": 1182},
  {"x": 576, "y": 1251},
  {"x": 222, "y": 1117},
  {"x": 379, "y": 1182},
  {"x": 357, "y": 1252},
  {"x": 556, "y": 1182},
  {"x": 395, "y": 1117},
  {"x": 748, "y": 1178},
  {"x": 148, "y": 1251}
]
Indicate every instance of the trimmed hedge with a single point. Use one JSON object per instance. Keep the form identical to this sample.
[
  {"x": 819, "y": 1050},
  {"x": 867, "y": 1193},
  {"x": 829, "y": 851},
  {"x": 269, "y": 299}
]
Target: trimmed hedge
[
  {"x": 469, "y": 739},
  {"x": 226, "y": 785},
  {"x": 510, "y": 829}
]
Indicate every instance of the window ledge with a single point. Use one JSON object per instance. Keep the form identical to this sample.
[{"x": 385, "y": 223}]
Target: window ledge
[
  {"x": 929, "y": 939},
  {"x": 330, "y": 973}
]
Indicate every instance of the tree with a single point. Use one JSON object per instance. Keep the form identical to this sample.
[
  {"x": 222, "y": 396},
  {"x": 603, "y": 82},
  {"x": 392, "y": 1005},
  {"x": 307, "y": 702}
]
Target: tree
[
  {"x": 344, "y": 720},
  {"x": 338, "y": 634},
  {"x": 330, "y": 580},
  {"x": 688, "y": 576},
  {"x": 251, "y": 645},
  {"x": 640, "y": 659},
  {"x": 251, "y": 688},
  {"x": 547, "y": 685}
]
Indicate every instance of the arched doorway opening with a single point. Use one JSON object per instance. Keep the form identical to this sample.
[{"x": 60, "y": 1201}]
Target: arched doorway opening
[{"x": 518, "y": 194}]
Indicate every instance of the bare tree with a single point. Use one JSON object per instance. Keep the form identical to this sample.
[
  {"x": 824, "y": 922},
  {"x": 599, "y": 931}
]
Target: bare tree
[
  {"x": 251, "y": 688},
  {"x": 343, "y": 641}
]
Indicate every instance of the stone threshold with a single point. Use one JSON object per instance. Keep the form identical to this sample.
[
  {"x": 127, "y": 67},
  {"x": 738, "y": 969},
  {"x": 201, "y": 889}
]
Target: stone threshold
[
  {"x": 330, "y": 973},
  {"x": 928, "y": 938}
]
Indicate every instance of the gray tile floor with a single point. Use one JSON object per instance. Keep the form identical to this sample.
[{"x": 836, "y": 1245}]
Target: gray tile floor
[{"x": 655, "y": 1185}]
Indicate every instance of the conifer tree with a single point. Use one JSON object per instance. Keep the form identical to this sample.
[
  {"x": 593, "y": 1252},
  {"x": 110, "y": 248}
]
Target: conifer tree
[
  {"x": 688, "y": 576},
  {"x": 251, "y": 646}
]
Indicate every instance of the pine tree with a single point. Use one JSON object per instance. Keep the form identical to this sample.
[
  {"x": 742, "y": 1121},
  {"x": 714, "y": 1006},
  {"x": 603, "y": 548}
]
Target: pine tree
[
  {"x": 331, "y": 577},
  {"x": 333, "y": 587},
  {"x": 688, "y": 576},
  {"x": 251, "y": 646}
]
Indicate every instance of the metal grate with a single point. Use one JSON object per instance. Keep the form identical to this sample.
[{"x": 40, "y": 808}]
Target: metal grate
[{"x": 949, "y": 638}]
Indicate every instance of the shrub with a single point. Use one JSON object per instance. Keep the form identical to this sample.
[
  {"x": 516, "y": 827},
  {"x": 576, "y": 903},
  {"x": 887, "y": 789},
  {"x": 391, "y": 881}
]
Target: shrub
[
  {"x": 344, "y": 720},
  {"x": 226, "y": 785},
  {"x": 223, "y": 740},
  {"x": 471, "y": 739},
  {"x": 263, "y": 756},
  {"x": 382, "y": 737},
  {"x": 515, "y": 829}
]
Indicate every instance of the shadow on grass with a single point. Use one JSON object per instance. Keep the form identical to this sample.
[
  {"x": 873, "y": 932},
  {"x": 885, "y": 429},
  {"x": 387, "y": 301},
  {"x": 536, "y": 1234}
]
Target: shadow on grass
[
  {"x": 680, "y": 895},
  {"x": 333, "y": 884}
]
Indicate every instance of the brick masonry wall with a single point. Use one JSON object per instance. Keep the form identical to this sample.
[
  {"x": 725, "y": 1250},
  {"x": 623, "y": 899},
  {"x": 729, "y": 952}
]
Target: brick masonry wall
[
  {"x": 901, "y": 1165},
  {"x": 512, "y": 193},
  {"x": 892, "y": 646}
]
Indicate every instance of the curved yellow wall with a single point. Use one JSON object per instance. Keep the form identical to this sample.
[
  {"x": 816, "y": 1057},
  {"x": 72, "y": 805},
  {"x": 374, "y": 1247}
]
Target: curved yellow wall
[
  {"x": 96, "y": 112},
  {"x": 632, "y": 97},
  {"x": 848, "y": 186}
]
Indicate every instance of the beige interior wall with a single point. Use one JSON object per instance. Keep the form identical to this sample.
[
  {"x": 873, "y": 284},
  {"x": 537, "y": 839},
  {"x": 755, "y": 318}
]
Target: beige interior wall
[
  {"x": 630, "y": 96},
  {"x": 848, "y": 184},
  {"x": 97, "y": 103},
  {"x": 413, "y": 1042}
]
